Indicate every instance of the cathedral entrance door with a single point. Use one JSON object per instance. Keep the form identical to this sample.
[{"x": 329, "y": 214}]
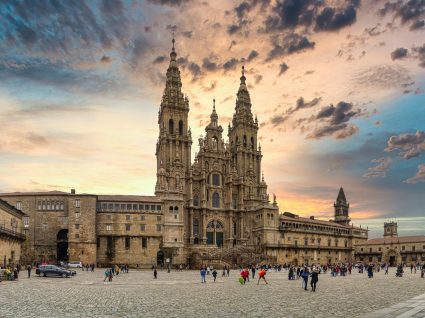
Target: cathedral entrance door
[
  {"x": 392, "y": 261},
  {"x": 215, "y": 233},
  {"x": 160, "y": 258},
  {"x": 210, "y": 238}
]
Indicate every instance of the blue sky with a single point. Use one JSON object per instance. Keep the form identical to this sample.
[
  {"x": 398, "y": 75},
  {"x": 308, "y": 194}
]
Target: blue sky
[{"x": 338, "y": 87}]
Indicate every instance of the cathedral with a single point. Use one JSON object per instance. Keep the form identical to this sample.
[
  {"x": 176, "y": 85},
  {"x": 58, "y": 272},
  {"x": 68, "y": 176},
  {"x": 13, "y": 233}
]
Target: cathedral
[{"x": 214, "y": 208}]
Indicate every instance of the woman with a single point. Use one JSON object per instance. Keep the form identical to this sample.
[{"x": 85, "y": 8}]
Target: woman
[
  {"x": 314, "y": 278},
  {"x": 305, "y": 274}
]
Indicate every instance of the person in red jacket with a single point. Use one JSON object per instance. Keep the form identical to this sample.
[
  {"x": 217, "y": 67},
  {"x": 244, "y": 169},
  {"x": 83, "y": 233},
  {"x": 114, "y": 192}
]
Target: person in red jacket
[
  {"x": 245, "y": 274},
  {"x": 262, "y": 275}
]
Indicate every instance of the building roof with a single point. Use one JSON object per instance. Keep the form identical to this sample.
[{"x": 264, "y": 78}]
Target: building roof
[
  {"x": 129, "y": 198},
  {"x": 293, "y": 217},
  {"x": 11, "y": 209},
  {"x": 395, "y": 240},
  {"x": 34, "y": 193},
  {"x": 341, "y": 196}
]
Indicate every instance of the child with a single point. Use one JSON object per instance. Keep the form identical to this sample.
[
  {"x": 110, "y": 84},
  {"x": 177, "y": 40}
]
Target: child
[
  {"x": 214, "y": 273},
  {"x": 262, "y": 275},
  {"x": 245, "y": 275}
]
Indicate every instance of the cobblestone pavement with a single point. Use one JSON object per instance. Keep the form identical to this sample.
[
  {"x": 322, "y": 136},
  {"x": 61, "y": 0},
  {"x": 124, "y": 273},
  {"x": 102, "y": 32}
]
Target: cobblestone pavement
[
  {"x": 412, "y": 308},
  {"x": 180, "y": 294}
]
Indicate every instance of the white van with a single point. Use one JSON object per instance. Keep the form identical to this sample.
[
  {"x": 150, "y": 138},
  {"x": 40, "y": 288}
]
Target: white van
[{"x": 75, "y": 264}]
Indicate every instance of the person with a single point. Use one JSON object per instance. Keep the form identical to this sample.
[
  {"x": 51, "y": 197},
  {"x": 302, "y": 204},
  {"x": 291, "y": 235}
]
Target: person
[
  {"x": 253, "y": 271},
  {"x": 314, "y": 278},
  {"x": 228, "y": 271},
  {"x": 29, "y": 270},
  {"x": 15, "y": 274},
  {"x": 386, "y": 269},
  {"x": 411, "y": 268},
  {"x": 106, "y": 275},
  {"x": 214, "y": 273},
  {"x": 305, "y": 274},
  {"x": 262, "y": 275},
  {"x": 244, "y": 275},
  {"x": 423, "y": 271},
  {"x": 110, "y": 276},
  {"x": 203, "y": 273},
  {"x": 155, "y": 273},
  {"x": 370, "y": 271},
  {"x": 224, "y": 271}
]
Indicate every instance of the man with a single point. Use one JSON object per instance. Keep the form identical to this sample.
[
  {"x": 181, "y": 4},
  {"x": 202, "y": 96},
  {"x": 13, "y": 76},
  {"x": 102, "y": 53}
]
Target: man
[
  {"x": 314, "y": 278},
  {"x": 305, "y": 274},
  {"x": 29, "y": 270},
  {"x": 203, "y": 273}
]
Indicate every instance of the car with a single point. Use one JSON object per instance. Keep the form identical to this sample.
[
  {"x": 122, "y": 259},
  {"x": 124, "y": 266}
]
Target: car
[
  {"x": 75, "y": 264},
  {"x": 53, "y": 270}
]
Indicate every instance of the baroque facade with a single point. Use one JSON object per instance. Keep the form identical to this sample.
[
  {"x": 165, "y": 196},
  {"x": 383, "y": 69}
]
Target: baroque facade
[
  {"x": 215, "y": 208},
  {"x": 391, "y": 248}
]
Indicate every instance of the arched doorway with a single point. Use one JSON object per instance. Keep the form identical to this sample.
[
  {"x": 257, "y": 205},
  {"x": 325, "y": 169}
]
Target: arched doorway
[
  {"x": 215, "y": 233},
  {"x": 62, "y": 246},
  {"x": 392, "y": 258}
]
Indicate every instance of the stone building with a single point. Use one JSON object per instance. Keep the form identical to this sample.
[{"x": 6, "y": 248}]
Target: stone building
[
  {"x": 391, "y": 248},
  {"x": 11, "y": 234},
  {"x": 215, "y": 208}
]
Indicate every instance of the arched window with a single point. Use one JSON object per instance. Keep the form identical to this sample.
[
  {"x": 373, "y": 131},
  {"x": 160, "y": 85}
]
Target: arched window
[
  {"x": 216, "y": 200},
  {"x": 171, "y": 209},
  {"x": 176, "y": 209},
  {"x": 215, "y": 233},
  {"x": 181, "y": 127},
  {"x": 252, "y": 143},
  {"x": 237, "y": 140},
  {"x": 196, "y": 200},
  {"x": 214, "y": 143},
  {"x": 244, "y": 141},
  {"x": 171, "y": 126},
  {"x": 195, "y": 227}
]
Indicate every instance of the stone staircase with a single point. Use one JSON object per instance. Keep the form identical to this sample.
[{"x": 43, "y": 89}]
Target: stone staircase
[{"x": 238, "y": 255}]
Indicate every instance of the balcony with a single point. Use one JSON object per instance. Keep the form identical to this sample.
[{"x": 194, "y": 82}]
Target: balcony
[{"x": 11, "y": 233}]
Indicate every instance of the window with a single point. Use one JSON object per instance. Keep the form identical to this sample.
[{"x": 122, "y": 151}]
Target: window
[
  {"x": 329, "y": 242},
  {"x": 48, "y": 205},
  {"x": 195, "y": 200},
  {"x": 44, "y": 205},
  {"x": 142, "y": 227},
  {"x": 127, "y": 227},
  {"x": 39, "y": 205},
  {"x": 127, "y": 217},
  {"x": 57, "y": 206},
  {"x": 77, "y": 236},
  {"x": 61, "y": 206},
  {"x": 77, "y": 214},
  {"x": 127, "y": 243},
  {"x": 215, "y": 200},
  {"x": 413, "y": 248},
  {"x": 215, "y": 179},
  {"x": 158, "y": 218},
  {"x": 134, "y": 207},
  {"x": 128, "y": 207},
  {"x": 98, "y": 242},
  {"x": 171, "y": 209},
  {"x": 379, "y": 249},
  {"x": 370, "y": 250},
  {"x": 234, "y": 229},
  {"x": 77, "y": 226},
  {"x": 110, "y": 206},
  {"x": 77, "y": 203},
  {"x": 158, "y": 227},
  {"x": 144, "y": 242},
  {"x": 175, "y": 216},
  {"x": 244, "y": 141},
  {"x": 158, "y": 208},
  {"x": 346, "y": 243},
  {"x": 142, "y": 218},
  {"x": 171, "y": 127},
  {"x": 214, "y": 143},
  {"x": 152, "y": 207},
  {"x": 122, "y": 207},
  {"x": 146, "y": 207},
  {"x": 26, "y": 222},
  {"x": 181, "y": 128},
  {"x": 195, "y": 227},
  {"x": 19, "y": 205},
  {"x": 306, "y": 241},
  {"x": 109, "y": 227},
  {"x": 403, "y": 248}
]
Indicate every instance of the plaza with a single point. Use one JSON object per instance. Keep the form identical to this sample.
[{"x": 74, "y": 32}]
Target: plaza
[{"x": 181, "y": 294}]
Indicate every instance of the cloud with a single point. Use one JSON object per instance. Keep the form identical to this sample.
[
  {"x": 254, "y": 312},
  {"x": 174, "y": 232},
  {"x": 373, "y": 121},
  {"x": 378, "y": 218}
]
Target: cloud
[
  {"x": 380, "y": 169},
  {"x": 301, "y": 104},
  {"x": 252, "y": 55},
  {"x": 419, "y": 177},
  {"x": 399, "y": 53},
  {"x": 160, "y": 59},
  {"x": 406, "y": 11},
  {"x": 258, "y": 78},
  {"x": 209, "y": 65},
  {"x": 105, "y": 59},
  {"x": 289, "y": 44},
  {"x": 329, "y": 19},
  {"x": 188, "y": 34},
  {"x": 410, "y": 145},
  {"x": 333, "y": 121},
  {"x": 420, "y": 54},
  {"x": 171, "y": 3},
  {"x": 230, "y": 64},
  {"x": 277, "y": 120},
  {"x": 382, "y": 77},
  {"x": 418, "y": 24},
  {"x": 283, "y": 68}
]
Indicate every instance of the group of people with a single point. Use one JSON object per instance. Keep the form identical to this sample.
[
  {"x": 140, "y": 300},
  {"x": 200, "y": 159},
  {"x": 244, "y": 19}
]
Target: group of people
[
  {"x": 11, "y": 272},
  {"x": 88, "y": 267},
  {"x": 114, "y": 270}
]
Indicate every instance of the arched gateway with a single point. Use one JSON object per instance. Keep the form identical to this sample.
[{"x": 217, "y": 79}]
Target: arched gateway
[
  {"x": 62, "y": 245},
  {"x": 215, "y": 233}
]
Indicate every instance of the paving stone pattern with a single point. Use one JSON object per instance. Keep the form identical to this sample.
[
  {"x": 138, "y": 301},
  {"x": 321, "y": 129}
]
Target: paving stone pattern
[{"x": 181, "y": 294}]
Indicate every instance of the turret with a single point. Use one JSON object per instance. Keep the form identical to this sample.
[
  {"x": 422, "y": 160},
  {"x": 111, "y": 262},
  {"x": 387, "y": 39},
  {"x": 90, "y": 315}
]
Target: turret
[{"x": 341, "y": 206}]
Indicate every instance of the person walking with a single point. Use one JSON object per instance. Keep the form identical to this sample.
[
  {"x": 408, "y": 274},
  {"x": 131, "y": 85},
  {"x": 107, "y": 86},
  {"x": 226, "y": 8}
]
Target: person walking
[
  {"x": 370, "y": 271},
  {"x": 262, "y": 275},
  {"x": 214, "y": 274},
  {"x": 386, "y": 269},
  {"x": 106, "y": 275},
  {"x": 253, "y": 271},
  {"x": 305, "y": 274},
  {"x": 244, "y": 275},
  {"x": 29, "y": 270},
  {"x": 224, "y": 271},
  {"x": 203, "y": 273},
  {"x": 228, "y": 271},
  {"x": 155, "y": 273},
  {"x": 314, "y": 278}
]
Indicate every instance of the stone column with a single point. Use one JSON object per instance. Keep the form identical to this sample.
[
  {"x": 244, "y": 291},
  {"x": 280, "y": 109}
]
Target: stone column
[
  {"x": 190, "y": 227},
  {"x": 204, "y": 227}
]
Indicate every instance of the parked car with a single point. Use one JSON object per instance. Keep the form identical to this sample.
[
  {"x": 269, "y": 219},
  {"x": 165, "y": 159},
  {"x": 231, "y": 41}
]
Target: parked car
[
  {"x": 75, "y": 264},
  {"x": 53, "y": 270}
]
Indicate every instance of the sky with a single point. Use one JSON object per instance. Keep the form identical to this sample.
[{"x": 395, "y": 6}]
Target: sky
[{"x": 338, "y": 88}]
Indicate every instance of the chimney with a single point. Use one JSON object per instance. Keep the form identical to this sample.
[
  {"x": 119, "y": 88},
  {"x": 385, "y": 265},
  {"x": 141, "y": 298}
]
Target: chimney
[
  {"x": 312, "y": 217},
  {"x": 72, "y": 191}
]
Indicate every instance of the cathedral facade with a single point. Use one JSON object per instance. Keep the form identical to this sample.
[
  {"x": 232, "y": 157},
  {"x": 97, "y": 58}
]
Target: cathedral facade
[{"x": 214, "y": 208}]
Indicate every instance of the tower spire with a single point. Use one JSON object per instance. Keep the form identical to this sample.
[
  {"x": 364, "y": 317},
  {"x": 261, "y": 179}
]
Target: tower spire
[{"x": 173, "y": 53}]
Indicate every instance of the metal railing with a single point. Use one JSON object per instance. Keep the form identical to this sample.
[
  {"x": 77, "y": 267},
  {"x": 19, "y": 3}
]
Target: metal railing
[{"x": 11, "y": 232}]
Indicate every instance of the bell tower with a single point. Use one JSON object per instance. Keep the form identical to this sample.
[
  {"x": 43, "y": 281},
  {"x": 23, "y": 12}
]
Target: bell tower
[
  {"x": 341, "y": 209},
  {"x": 390, "y": 229},
  {"x": 174, "y": 142}
]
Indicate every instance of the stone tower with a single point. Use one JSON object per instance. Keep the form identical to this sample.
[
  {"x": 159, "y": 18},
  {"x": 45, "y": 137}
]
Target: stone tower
[
  {"x": 173, "y": 153},
  {"x": 390, "y": 229},
  {"x": 341, "y": 209},
  {"x": 245, "y": 152}
]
